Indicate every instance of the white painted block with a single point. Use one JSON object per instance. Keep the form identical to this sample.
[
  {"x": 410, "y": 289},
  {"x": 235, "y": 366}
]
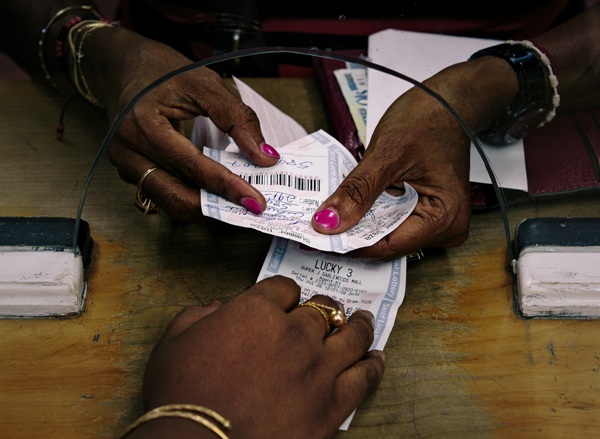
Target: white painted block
[
  {"x": 559, "y": 281},
  {"x": 37, "y": 282}
]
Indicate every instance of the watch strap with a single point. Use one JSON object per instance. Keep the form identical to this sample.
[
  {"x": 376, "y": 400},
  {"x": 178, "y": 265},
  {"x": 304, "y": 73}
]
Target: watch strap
[{"x": 532, "y": 102}]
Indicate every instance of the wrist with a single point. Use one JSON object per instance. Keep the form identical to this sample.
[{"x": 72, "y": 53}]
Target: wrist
[
  {"x": 537, "y": 98},
  {"x": 497, "y": 85},
  {"x": 165, "y": 428},
  {"x": 167, "y": 421},
  {"x": 478, "y": 90},
  {"x": 53, "y": 50},
  {"x": 119, "y": 63}
]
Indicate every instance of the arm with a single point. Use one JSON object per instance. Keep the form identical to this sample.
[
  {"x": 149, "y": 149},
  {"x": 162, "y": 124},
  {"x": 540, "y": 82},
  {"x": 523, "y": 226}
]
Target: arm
[
  {"x": 117, "y": 64},
  {"x": 419, "y": 142},
  {"x": 574, "y": 49},
  {"x": 263, "y": 363}
]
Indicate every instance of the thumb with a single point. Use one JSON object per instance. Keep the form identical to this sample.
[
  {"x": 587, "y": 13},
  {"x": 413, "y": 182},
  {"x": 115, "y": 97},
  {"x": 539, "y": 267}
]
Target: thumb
[{"x": 351, "y": 200}]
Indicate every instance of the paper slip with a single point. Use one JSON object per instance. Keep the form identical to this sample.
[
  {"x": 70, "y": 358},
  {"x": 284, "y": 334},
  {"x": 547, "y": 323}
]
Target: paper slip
[
  {"x": 353, "y": 83},
  {"x": 310, "y": 169},
  {"x": 278, "y": 128},
  {"x": 357, "y": 283}
]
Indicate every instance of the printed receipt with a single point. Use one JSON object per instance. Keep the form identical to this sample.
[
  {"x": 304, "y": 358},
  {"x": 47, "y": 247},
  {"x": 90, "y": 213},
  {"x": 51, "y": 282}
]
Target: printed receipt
[{"x": 310, "y": 169}]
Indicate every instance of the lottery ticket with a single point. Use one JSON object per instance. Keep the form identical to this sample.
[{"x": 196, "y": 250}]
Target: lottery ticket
[
  {"x": 356, "y": 283},
  {"x": 310, "y": 169}
]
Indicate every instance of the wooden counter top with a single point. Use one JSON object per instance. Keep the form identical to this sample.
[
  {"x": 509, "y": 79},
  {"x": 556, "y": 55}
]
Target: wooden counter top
[{"x": 460, "y": 361}]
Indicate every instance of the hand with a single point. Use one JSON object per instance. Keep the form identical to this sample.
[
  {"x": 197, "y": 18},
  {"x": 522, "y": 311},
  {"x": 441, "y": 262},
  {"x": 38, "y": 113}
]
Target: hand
[
  {"x": 419, "y": 142},
  {"x": 152, "y": 133},
  {"x": 265, "y": 364}
]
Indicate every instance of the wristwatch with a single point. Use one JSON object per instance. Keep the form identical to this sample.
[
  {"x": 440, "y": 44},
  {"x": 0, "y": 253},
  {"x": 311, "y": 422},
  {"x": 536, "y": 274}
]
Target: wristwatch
[{"x": 533, "y": 101}]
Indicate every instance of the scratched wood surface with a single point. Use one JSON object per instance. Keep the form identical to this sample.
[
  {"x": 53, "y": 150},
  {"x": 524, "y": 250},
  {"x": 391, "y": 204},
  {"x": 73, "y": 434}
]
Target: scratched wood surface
[{"x": 460, "y": 361}]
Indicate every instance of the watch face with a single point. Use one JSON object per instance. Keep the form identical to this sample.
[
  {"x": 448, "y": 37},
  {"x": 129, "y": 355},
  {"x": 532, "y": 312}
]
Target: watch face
[{"x": 526, "y": 123}]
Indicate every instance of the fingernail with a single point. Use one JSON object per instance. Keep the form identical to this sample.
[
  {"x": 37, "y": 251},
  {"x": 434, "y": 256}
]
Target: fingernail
[
  {"x": 327, "y": 218},
  {"x": 252, "y": 205},
  {"x": 269, "y": 150}
]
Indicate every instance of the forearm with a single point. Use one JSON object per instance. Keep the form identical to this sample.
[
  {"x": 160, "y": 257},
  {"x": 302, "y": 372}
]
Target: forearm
[
  {"x": 574, "y": 49},
  {"x": 480, "y": 90},
  {"x": 117, "y": 61}
]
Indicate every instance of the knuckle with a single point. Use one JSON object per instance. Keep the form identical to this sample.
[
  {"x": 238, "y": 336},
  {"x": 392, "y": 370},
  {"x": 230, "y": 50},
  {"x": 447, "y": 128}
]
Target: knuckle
[
  {"x": 188, "y": 167},
  {"x": 247, "y": 113},
  {"x": 256, "y": 303},
  {"x": 363, "y": 335},
  {"x": 180, "y": 207},
  {"x": 284, "y": 282},
  {"x": 295, "y": 331},
  {"x": 357, "y": 188},
  {"x": 244, "y": 119},
  {"x": 372, "y": 375},
  {"x": 452, "y": 224},
  {"x": 114, "y": 155}
]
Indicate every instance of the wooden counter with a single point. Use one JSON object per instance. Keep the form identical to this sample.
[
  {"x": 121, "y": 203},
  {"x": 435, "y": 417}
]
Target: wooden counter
[{"x": 460, "y": 361}]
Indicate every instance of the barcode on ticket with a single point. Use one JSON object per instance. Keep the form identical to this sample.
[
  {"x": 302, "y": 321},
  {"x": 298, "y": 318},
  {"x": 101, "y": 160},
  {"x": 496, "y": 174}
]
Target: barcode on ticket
[{"x": 309, "y": 184}]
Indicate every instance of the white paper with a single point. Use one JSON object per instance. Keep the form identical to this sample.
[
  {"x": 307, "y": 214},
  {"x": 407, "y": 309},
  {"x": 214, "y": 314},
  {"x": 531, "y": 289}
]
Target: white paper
[
  {"x": 310, "y": 169},
  {"x": 419, "y": 56},
  {"x": 277, "y": 128}
]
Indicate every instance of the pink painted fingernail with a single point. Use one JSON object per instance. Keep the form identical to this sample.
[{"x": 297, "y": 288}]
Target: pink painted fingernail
[
  {"x": 269, "y": 150},
  {"x": 252, "y": 205},
  {"x": 327, "y": 218}
]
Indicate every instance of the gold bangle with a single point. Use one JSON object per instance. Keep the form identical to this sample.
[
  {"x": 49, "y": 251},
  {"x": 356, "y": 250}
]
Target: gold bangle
[
  {"x": 201, "y": 415},
  {"x": 82, "y": 30}
]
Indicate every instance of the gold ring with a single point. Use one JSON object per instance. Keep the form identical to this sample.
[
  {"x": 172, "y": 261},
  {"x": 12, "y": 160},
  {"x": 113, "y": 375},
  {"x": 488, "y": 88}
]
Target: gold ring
[
  {"x": 333, "y": 317},
  {"x": 140, "y": 200}
]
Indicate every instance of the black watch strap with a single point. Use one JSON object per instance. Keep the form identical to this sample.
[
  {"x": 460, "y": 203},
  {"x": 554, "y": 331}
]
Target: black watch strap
[{"x": 533, "y": 101}]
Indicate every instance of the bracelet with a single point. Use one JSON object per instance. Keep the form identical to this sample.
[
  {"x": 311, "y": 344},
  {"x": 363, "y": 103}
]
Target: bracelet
[
  {"x": 552, "y": 79},
  {"x": 63, "y": 34},
  {"x": 206, "y": 417},
  {"x": 81, "y": 30},
  {"x": 534, "y": 103},
  {"x": 43, "y": 37}
]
